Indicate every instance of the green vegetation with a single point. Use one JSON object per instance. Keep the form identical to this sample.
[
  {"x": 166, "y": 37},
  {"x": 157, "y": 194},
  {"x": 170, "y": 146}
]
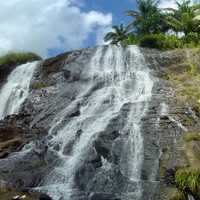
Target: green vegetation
[
  {"x": 188, "y": 180},
  {"x": 18, "y": 58},
  {"x": 179, "y": 195},
  {"x": 150, "y": 26},
  {"x": 147, "y": 19},
  {"x": 38, "y": 85},
  {"x": 192, "y": 136},
  {"x": 118, "y": 35},
  {"x": 8, "y": 194},
  {"x": 185, "y": 78},
  {"x": 161, "y": 41}
]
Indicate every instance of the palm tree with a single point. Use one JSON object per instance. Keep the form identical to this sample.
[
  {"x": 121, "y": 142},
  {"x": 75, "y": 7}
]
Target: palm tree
[
  {"x": 185, "y": 18},
  {"x": 117, "y": 35},
  {"x": 147, "y": 19}
]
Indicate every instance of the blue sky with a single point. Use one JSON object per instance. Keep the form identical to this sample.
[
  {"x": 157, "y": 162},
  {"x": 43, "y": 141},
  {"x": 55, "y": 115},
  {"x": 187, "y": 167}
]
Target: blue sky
[
  {"x": 104, "y": 6},
  {"x": 50, "y": 27},
  {"x": 109, "y": 6}
]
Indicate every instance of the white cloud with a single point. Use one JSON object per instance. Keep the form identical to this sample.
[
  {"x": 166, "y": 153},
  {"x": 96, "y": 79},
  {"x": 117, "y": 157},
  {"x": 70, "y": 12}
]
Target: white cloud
[
  {"x": 101, "y": 33},
  {"x": 168, "y": 4},
  {"x": 39, "y": 25}
]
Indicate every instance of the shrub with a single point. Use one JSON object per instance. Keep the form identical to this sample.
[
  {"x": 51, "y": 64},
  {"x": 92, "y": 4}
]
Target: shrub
[
  {"x": 191, "y": 38},
  {"x": 192, "y": 136},
  {"x": 18, "y": 58},
  {"x": 160, "y": 41},
  {"x": 131, "y": 40},
  {"x": 188, "y": 180}
]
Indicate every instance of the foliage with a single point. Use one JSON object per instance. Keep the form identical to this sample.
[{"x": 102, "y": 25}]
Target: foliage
[
  {"x": 147, "y": 19},
  {"x": 150, "y": 24},
  {"x": 192, "y": 136},
  {"x": 160, "y": 41},
  {"x": 179, "y": 195},
  {"x": 117, "y": 35},
  {"x": 188, "y": 180},
  {"x": 192, "y": 38},
  {"x": 18, "y": 58},
  {"x": 131, "y": 39},
  {"x": 193, "y": 69},
  {"x": 184, "y": 18}
]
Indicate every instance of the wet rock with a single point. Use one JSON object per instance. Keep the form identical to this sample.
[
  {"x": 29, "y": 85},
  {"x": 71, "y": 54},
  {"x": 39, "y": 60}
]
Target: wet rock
[
  {"x": 169, "y": 178},
  {"x": 103, "y": 171},
  {"x": 15, "y": 133},
  {"x": 75, "y": 114},
  {"x": 69, "y": 147},
  {"x": 67, "y": 74},
  {"x": 45, "y": 197},
  {"x": 102, "y": 196}
]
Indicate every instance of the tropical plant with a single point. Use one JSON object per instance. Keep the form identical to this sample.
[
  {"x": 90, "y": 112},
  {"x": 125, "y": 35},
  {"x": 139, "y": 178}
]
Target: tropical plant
[
  {"x": 160, "y": 41},
  {"x": 188, "y": 180},
  {"x": 147, "y": 19},
  {"x": 185, "y": 18},
  {"x": 117, "y": 35}
]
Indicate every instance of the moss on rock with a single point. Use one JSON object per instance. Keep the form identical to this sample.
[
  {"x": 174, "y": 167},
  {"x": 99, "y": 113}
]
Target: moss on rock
[
  {"x": 8, "y": 194},
  {"x": 20, "y": 57},
  {"x": 192, "y": 136}
]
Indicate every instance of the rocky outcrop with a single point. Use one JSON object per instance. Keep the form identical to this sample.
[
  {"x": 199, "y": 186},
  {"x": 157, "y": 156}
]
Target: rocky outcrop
[
  {"x": 177, "y": 72},
  {"x": 56, "y": 84},
  {"x": 15, "y": 133}
]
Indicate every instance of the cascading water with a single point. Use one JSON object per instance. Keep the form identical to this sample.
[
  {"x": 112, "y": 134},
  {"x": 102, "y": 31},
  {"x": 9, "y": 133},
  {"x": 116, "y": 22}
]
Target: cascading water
[
  {"x": 190, "y": 197},
  {"x": 16, "y": 89},
  {"x": 125, "y": 79}
]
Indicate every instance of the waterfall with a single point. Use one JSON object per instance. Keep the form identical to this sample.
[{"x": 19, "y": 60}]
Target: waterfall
[
  {"x": 190, "y": 197},
  {"x": 125, "y": 79},
  {"x": 16, "y": 89}
]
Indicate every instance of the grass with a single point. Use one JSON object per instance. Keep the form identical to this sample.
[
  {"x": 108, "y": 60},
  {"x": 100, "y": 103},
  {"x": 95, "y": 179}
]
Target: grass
[
  {"x": 192, "y": 136},
  {"x": 7, "y": 194},
  {"x": 185, "y": 78},
  {"x": 18, "y": 58},
  {"x": 179, "y": 195},
  {"x": 38, "y": 85},
  {"x": 188, "y": 180}
]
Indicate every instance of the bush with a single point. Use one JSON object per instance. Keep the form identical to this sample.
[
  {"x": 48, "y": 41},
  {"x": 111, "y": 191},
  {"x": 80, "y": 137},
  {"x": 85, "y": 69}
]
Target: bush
[
  {"x": 131, "y": 40},
  {"x": 18, "y": 58},
  {"x": 160, "y": 41},
  {"x": 188, "y": 180},
  {"x": 192, "y": 39}
]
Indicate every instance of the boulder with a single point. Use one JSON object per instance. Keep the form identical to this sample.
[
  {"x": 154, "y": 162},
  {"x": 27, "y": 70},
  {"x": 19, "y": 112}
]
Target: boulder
[{"x": 45, "y": 197}]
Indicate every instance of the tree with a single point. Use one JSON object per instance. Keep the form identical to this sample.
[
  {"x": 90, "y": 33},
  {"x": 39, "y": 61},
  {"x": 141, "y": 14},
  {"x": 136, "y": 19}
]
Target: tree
[
  {"x": 117, "y": 35},
  {"x": 147, "y": 19},
  {"x": 185, "y": 18}
]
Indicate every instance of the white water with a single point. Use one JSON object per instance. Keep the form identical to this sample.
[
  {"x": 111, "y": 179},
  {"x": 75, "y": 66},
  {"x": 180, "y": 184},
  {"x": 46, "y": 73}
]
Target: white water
[
  {"x": 16, "y": 89},
  {"x": 190, "y": 197},
  {"x": 126, "y": 79},
  {"x": 165, "y": 112}
]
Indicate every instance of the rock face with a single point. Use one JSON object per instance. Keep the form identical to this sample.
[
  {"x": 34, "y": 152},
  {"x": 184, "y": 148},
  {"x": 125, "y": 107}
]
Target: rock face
[
  {"x": 28, "y": 155},
  {"x": 15, "y": 133}
]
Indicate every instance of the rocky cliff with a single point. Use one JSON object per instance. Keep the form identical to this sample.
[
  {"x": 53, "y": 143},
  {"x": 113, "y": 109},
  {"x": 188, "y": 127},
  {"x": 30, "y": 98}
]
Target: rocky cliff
[{"x": 170, "y": 130}]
